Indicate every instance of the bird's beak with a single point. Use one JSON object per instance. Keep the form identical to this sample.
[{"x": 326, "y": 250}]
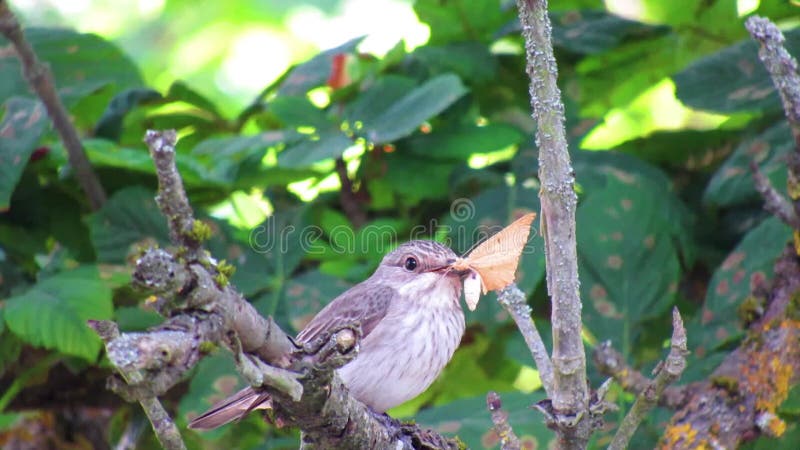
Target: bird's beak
[{"x": 459, "y": 273}]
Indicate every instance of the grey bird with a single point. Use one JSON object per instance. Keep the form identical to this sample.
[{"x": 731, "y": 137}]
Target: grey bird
[{"x": 411, "y": 323}]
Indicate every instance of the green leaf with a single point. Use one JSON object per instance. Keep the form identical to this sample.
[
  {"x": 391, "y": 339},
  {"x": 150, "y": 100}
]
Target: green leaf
[
  {"x": 23, "y": 124},
  {"x": 298, "y": 111},
  {"x": 628, "y": 258},
  {"x": 53, "y": 313},
  {"x": 402, "y": 169},
  {"x": 110, "y": 124},
  {"x": 596, "y": 31},
  {"x": 308, "y": 293},
  {"x": 315, "y": 72},
  {"x": 748, "y": 265},
  {"x": 377, "y": 97},
  {"x": 81, "y": 63},
  {"x": 462, "y": 142},
  {"x": 462, "y": 20},
  {"x": 471, "y": 422},
  {"x": 732, "y": 184},
  {"x": 129, "y": 217},
  {"x": 325, "y": 145},
  {"x": 214, "y": 379},
  {"x": 471, "y": 61},
  {"x": 179, "y": 91},
  {"x": 413, "y": 109},
  {"x": 103, "y": 153},
  {"x": 732, "y": 80}
]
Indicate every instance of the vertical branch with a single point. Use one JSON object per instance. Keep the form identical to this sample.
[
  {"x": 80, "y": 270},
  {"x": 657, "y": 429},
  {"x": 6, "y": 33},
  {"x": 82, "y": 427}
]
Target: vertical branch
[
  {"x": 571, "y": 395},
  {"x": 40, "y": 78},
  {"x": 508, "y": 440}
]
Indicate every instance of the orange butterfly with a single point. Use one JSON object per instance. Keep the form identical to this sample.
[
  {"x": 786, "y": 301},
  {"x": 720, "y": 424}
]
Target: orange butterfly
[{"x": 494, "y": 262}]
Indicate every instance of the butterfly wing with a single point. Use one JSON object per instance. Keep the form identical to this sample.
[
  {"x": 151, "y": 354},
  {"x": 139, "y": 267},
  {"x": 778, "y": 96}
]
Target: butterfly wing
[{"x": 496, "y": 259}]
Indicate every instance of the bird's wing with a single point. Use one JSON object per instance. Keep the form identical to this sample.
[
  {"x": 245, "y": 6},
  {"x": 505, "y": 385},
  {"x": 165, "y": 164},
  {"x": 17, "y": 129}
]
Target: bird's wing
[{"x": 363, "y": 303}]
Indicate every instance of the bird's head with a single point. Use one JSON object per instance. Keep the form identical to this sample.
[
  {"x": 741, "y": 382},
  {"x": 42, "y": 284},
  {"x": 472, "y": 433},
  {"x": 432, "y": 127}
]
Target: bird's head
[{"x": 421, "y": 264}]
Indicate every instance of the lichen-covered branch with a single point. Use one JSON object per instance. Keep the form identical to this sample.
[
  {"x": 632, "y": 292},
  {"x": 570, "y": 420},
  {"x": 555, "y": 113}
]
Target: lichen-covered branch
[
  {"x": 163, "y": 426},
  {"x": 741, "y": 397},
  {"x": 508, "y": 440},
  {"x": 782, "y": 67},
  {"x": 666, "y": 373},
  {"x": 40, "y": 78},
  {"x": 570, "y": 399},
  {"x": 512, "y": 299},
  {"x": 192, "y": 289}
]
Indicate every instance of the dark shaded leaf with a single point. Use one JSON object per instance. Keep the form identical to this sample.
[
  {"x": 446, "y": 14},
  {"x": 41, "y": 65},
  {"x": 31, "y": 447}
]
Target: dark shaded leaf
[
  {"x": 327, "y": 144},
  {"x": 110, "y": 124},
  {"x": 81, "y": 63},
  {"x": 469, "y": 419},
  {"x": 748, "y": 265},
  {"x": 462, "y": 142},
  {"x": 130, "y": 216},
  {"x": 732, "y": 80},
  {"x": 315, "y": 72},
  {"x": 461, "y": 20},
  {"x": 23, "y": 124},
  {"x": 732, "y": 184}
]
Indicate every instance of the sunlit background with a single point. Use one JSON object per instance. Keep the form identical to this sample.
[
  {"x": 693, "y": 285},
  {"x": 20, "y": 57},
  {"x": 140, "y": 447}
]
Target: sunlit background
[{"x": 231, "y": 50}]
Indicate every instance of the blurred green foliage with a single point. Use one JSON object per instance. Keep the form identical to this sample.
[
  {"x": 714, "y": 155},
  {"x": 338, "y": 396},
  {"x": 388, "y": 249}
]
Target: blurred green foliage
[{"x": 436, "y": 142}]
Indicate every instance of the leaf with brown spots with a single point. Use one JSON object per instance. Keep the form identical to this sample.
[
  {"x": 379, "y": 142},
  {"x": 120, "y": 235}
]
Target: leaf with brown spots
[{"x": 24, "y": 121}]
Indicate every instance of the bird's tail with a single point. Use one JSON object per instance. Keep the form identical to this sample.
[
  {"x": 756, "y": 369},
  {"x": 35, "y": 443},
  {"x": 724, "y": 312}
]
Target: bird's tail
[{"x": 232, "y": 408}]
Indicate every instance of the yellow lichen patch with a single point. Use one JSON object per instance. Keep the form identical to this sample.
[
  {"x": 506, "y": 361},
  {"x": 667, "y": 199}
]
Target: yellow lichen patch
[
  {"x": 776, "y": 427},
  {"x": 680, "y": 436}
]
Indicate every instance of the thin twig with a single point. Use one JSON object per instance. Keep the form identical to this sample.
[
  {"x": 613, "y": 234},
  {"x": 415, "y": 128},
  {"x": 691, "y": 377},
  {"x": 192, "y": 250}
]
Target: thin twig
[
  {"x": 570, "y": 400},
  {"x": 40, "y": 78},
  {"x": 666, "y": 373},
  {"x": 348, "y": 198},
  {"x": 508, "y": 440},
  {"x": 774, "y": 202},
  {"x": 610, "y": 362},
  {"x": 513, "y": 300}
]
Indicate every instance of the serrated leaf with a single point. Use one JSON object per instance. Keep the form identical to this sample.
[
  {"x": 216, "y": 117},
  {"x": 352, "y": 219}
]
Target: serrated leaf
[
  {"x": 53, "y": 313},
  {"x": 628, "y": 258},
  {"x": 410, "y": 111},
  {"x": 471, "y": 422},
  {"x": 732, "y": 184},
  {"x": 749, "y": 264},
  {"x": 130, "y": 216},
  {"x": 81, "y": 63},
  {"x": 732, "y": 79},
  {"x": 23, "y": 123}
]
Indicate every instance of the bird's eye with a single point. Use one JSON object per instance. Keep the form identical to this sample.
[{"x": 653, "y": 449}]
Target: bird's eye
[{"x": 411, "y": 264}]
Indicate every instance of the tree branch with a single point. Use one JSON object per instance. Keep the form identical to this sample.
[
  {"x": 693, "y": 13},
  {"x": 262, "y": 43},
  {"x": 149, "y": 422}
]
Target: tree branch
[
  {"x": 508, "y": 440},
  {"x": 666, "y": 373},
  {"x": 40, "y": 78},
  {"x": 513, "y": 300},
  {"x": 570, "y": 400},
  {"x": 774, "y": 202},
  {"x": 191, "y": 288},
  {"x": 782, "y": 67}
]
